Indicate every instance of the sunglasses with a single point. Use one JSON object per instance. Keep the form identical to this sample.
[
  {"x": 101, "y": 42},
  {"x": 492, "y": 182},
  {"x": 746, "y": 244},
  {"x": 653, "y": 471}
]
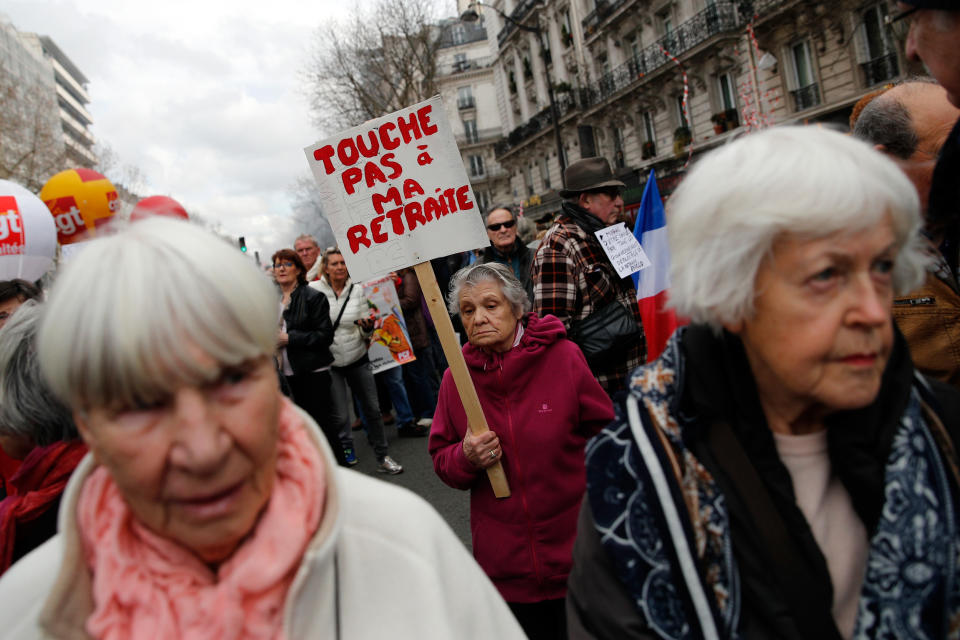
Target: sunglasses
[
  {"x": 611, "y": 192},
  {"x": 509, "y": 224},
  {"x": 898, "y": 24},
  {"x": 286, "y": 264}
]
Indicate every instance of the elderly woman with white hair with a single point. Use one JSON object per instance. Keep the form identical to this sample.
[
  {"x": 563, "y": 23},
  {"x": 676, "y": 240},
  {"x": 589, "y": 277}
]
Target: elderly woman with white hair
[
  {"x": 542, "y": 403},
  {"x": 37, "y": 429},
  {"x": 210, "y": 506},
  {"x": 780, "y": 471}
]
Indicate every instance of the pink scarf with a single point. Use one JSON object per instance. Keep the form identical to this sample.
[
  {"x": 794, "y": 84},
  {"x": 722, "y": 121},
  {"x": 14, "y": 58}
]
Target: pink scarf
[{"x": 147, "y": 586}]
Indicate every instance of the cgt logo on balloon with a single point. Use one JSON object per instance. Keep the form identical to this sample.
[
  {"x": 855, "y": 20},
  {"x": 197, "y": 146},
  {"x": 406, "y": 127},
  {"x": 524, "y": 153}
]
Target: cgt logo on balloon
[
  {"x": 11, "y": 227},
  {"x": 69, "y": 220}
]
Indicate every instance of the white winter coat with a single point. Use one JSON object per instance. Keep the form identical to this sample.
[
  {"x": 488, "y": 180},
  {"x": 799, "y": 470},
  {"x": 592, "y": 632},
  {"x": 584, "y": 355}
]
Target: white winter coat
[
  {"x": 400, "y": 572},
  {"x": 349, "y": 341}
]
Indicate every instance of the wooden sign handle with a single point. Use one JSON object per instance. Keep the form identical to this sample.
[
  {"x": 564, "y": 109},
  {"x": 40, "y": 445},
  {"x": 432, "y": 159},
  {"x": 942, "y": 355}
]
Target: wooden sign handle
[{"x": 458, "y": 368}]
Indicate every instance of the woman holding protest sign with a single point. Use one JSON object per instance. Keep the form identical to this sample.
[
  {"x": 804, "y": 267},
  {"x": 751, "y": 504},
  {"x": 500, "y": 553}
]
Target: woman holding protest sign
[
  {"x": 303, "y": 343},
  {"x": 352, "y": 327},
  {"x": 542, "y": 403}
]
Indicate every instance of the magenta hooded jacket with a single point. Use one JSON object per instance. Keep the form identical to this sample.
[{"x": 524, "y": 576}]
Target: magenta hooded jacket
[{"x": 543, "y": 402}]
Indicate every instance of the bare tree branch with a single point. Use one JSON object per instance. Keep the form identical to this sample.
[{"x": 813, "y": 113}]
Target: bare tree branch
[
  {"x": 31, "y": 137},
  {"x": 382, "y": 60},
  {"x": 308, "y": 212}
]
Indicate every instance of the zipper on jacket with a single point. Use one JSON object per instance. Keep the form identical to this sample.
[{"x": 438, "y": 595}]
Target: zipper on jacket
[{"x": 523, "y": 493}]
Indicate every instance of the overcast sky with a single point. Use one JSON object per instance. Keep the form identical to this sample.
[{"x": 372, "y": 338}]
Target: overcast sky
[{"x": 201, "y": 95}]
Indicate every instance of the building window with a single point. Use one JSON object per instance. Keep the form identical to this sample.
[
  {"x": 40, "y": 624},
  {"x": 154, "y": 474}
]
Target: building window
[
  {"x": 803, "y": 87},
  {"x": 459, "y": 34},
  {"x": 681, "y": 113},
  {"x": 465, "y": 98},
  {"x": 727, "y": 99},
  {"x": 876, "y": 54},
  {"x": 460, "y": 62},
  {"x": 666, "y": 23},
  {"x": 476, "y": 166},
  {"x": 635, "y": 45},
  {"x": 566, "y": 32},
  {"x": 545, "y": 172},
  {"x": 649, "y": 133},
  {"x": 528, "y": 179},
  {"x": 618, "y": 159},
  {"x": 483, "y": 199},
  {"x": 470, "y": 131}
]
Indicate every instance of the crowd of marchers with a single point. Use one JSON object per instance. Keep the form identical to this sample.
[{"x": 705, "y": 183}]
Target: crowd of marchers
[{"x": 177, "y": 429}]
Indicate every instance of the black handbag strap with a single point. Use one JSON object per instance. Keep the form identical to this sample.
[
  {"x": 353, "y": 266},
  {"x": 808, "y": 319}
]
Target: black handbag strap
[
  {"x": 343, "y": 308},
  {"x": 793, "y": 576}
]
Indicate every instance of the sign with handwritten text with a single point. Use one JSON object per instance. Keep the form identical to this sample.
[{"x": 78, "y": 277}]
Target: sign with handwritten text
[
  {"x": 395, "y": 191},
  {"x": 622, "y": 249}
]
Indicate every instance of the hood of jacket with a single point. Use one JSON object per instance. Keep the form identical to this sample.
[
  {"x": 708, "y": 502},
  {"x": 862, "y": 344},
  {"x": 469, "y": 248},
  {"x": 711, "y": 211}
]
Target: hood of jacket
[{"x": 538, "y": 334}]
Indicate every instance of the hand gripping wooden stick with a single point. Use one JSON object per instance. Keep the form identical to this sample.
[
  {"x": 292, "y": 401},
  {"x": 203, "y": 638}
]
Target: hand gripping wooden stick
[{"x": 458, "y": 368}]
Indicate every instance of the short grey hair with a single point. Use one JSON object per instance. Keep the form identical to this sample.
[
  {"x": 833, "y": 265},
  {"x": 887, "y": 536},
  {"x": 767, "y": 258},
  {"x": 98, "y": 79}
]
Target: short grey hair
[
  {"x": 509, "y": 208},
  {"x": 158, "y": 306},
  {"x": 886, "y": 121},
  {"x": 308, "y": 238},
  {"x": 727, "y": 213},
  {"x": 501, "y": 274},
  {"x": 28, "y": 407}
]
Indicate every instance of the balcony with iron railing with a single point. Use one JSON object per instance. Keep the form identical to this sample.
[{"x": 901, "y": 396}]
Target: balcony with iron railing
[
  {"x": 478, "y": 137},
  {"x": 488, "y": 173},
  {"x": 722, "y": 17},
  {"x": 460, "y": 66},
  {"x": 466, "y": 103},
  {"x": 603, "y": 9},
  {"x": 460, "y": 33},
  {"x": 519, "y": 14},
  {"x": 880, "y": 69},
  {"x": 713, "y": 20},
  {"x": 806, "y": 97}
]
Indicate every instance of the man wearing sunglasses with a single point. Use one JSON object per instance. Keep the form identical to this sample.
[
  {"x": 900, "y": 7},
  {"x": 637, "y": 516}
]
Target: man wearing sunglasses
[
  {"x": 505, "y": 247},
  {"x": 572, "y": 277}
]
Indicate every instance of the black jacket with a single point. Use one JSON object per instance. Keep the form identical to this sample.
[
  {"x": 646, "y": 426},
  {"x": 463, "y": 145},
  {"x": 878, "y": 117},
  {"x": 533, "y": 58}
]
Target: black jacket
[
  {"x": 717, "y": 385},
  {"x": 309, "y": 330},
  {"x": 519, "y": 259}
]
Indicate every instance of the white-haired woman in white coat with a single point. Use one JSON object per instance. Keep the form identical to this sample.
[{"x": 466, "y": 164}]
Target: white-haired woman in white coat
[{"x": 210, "y": 506}]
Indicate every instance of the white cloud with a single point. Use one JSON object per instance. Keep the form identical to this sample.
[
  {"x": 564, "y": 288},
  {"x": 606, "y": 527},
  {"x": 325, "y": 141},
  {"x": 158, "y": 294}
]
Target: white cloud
[{"x": 202, "y": 95}]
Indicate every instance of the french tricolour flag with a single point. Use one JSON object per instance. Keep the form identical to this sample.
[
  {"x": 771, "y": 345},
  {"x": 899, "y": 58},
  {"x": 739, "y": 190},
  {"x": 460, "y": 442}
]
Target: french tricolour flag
[{"x": 653, "y": 283}]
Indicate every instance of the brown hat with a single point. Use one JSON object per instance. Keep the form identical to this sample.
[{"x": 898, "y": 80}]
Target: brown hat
[{"x": 587, "y": 174}]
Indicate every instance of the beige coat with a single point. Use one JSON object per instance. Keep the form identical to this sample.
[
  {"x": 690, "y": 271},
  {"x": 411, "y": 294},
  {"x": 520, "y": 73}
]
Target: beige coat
[{"x": 400, "y": 572}]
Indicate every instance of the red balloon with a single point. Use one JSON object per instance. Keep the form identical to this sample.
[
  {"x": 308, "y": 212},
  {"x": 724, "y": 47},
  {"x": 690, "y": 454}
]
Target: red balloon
[{"x": 158, "y": 206}]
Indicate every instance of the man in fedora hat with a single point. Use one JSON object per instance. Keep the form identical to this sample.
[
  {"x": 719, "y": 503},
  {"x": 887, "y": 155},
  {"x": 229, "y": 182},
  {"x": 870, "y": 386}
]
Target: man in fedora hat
[{"x": 572, "y": 277}]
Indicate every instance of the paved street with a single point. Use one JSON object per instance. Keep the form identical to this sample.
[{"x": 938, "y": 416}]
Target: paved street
[{"x": 418, "y": 476}]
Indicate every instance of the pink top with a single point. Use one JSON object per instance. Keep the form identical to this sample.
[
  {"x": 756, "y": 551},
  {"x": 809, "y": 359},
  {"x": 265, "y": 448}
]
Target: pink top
[{"x": 836, "y": 527}]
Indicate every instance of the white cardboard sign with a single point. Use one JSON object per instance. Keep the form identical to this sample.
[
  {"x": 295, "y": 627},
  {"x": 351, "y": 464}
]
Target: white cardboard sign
[
  {"x": 395, "y": 192},
  {"x": 622, "y": 249}
]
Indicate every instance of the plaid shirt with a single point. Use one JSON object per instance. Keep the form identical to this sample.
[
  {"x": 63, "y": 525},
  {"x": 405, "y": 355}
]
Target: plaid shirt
[{"x": 572, "y": 278}]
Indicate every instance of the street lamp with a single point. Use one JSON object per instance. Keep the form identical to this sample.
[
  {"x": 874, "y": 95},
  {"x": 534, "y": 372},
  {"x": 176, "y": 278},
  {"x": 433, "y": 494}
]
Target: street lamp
[{"x": 471, "y": 15}]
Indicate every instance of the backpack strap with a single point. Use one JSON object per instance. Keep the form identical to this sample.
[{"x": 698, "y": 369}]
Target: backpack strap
[{"x": 343, "y": 308}]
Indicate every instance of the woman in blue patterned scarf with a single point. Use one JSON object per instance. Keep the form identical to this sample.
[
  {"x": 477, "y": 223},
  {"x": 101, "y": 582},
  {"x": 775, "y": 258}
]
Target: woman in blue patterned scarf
[{"x": 780, "y": 471}]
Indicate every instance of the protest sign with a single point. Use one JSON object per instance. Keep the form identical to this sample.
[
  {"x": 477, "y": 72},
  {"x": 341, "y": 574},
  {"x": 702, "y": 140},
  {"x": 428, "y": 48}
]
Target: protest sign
[
  {"x": 623, "y": 250},
  {"x": 395, "y": 191},
  {"x": 396, "y": 195},
  {"x": 390, "y": 343}
]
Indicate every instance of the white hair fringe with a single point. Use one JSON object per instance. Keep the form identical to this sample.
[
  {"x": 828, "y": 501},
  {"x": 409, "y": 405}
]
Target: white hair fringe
[
  {"x": 727, "y": 213},
  {"x": 159, "y": 305}
]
